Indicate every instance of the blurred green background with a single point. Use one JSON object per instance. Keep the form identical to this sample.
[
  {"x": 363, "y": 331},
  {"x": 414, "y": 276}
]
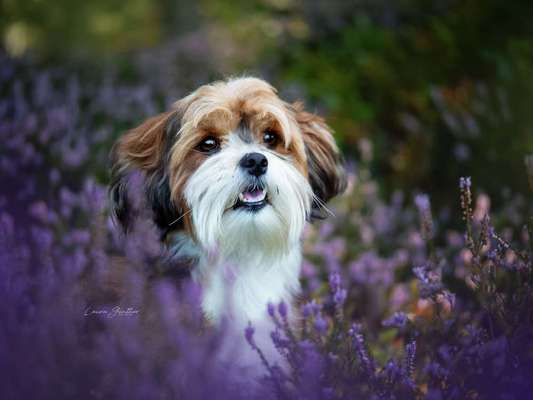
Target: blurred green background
[{"x": 423, "y": 91}]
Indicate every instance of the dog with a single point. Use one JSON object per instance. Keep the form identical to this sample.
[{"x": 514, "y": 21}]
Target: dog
[{"x": 232, "y": 173}]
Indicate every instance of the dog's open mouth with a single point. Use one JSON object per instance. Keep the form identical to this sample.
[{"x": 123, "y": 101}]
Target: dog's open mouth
[{"x": 252, "y": 199}]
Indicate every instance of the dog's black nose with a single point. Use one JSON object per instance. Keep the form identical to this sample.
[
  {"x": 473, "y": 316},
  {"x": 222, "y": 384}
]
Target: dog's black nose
[{"x": 255, "y": 163}]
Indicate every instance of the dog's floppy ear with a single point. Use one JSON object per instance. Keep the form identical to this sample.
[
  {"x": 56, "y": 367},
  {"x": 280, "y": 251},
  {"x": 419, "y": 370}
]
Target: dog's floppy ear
[
  {"x": 143, "y": 151},
  {"x": 325, "y": 163}
]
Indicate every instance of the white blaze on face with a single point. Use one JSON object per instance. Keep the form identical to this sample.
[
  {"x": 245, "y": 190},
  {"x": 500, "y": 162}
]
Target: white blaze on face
[{"x": 219, "y": 183}]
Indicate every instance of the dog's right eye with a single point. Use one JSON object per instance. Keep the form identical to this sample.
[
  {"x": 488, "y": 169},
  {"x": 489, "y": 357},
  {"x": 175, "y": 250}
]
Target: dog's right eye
[{"x": 209, "y": 145}]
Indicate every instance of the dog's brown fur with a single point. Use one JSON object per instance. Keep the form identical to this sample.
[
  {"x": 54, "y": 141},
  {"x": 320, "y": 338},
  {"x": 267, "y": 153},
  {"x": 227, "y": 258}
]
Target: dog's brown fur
[{"x": 163, "y": 148}]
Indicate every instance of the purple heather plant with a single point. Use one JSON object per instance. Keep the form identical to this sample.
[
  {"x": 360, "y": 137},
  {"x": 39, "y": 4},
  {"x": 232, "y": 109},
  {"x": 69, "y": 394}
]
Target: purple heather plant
[{"x": 413, "y": 308}]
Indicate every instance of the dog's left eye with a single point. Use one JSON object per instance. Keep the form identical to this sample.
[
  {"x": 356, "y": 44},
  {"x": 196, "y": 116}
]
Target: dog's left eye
[
  {"x": 209, "y": 145},
  {"x": 270, "y": 138}
]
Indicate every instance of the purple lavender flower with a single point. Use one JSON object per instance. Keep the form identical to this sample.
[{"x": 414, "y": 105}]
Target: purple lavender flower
[
  {"x": 338, "y": 293},
  {"x": 271, "y": 309},
  {"x": 321, "y": 325},
  {"x": 281, "y": 343},
  {"x": 311, "y": 308},
  {"x": 339, "y": 297},
  {"x": 393, "y": 371},
  {"x": 397, "y": 320},
  {"x": 249, "y": 332},
  {"x": 57, "y": 254},
  {"x": 429, "y": 281},
  {"x": 409, "y": 361},
  {"x": 282, "y": 309},
  {"x": 40, "y": 211},
  {"x": 334, "y": 281},
  {"x": 371, "y": 269},
  {"x": 366, "y": 362},
  {"x": 465, "y": 183}
]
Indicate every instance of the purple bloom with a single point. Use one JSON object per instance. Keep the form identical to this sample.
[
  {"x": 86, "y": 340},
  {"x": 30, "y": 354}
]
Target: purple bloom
[
  {"x": 321, "y": 325},
  {"x": 422, "y": 202},
  {"x": 465, "y": 183},
  {"x": 429, "y": 281},
  {"x": 393, "y": 371},
  {"x": 326, "y": 229},
  {"x": 40, "y": 211},
  {"x": 365, "y": 361},
  {"x": 271, "y": 309},
  {"x": 339, "y": 297},
  {"x": 282, "y": 309},
  {"x": 279, "y": 341},
  {"x": 6, "y": 225},
  {"x": 397, "y": 320},
  {"x": 43, "y": 237},
  {"x": 409, "y": 361},
  {"x": 308, "y": 270},
  {"x": 311, "y": 308},
  {"x": 338, "y": 293},
  {"x": 436, "y": 370},
  {"x": 370, "y": 269},
  {"x": 249, "y": 335}
]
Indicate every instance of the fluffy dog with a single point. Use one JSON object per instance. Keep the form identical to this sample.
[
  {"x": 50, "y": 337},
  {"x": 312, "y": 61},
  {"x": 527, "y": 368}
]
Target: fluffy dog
[{"x": 231, "y": 174}]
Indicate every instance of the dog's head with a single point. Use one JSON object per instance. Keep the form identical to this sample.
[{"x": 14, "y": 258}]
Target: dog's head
[{"x": 231, "y": 164}]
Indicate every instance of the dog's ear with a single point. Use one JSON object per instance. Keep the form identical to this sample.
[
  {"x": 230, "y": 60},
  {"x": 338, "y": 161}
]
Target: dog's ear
[
  {"x": 143, "y": 151},
  {"x": 325, "y": 163}
]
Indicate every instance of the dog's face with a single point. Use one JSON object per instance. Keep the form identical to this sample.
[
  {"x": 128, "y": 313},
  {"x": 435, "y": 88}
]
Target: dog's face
[{"x": 233, "y": 165}]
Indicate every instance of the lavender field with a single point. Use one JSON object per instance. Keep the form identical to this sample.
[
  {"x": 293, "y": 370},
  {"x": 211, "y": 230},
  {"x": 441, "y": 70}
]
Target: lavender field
[
  {"x": 394, "y": 305},
  {"x": 408, "y": 293}
]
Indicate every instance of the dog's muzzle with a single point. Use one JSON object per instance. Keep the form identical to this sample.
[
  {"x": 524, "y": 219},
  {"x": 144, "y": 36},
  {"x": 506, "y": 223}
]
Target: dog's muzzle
[{"x": 254, "y": 197}]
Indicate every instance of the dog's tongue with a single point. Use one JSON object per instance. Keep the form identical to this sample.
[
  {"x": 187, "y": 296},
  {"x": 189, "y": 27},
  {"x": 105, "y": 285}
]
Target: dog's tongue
[{"x": 253, "y": 195}]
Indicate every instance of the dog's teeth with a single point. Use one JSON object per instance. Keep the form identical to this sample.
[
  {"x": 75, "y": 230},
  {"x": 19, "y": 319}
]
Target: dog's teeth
[{"x": 252, "y": 197}]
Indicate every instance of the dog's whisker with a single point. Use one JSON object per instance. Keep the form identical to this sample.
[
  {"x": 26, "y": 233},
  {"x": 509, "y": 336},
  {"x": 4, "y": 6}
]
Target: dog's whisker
[
  {"x": 180, "y": 218},
  {"x": 321, "y": 204}
]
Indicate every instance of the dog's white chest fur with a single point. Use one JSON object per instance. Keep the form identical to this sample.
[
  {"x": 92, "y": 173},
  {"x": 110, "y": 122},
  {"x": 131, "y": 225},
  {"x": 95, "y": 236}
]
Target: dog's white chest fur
[{"x": 240, "y": 290}]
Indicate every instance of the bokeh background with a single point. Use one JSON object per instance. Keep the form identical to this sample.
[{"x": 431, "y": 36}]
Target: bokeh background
[
  {"x": 438, "y": 88},
  {"x": 419, "y": 92}
]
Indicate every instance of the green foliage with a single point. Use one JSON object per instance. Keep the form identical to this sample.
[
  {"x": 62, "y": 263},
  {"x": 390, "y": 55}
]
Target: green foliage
[
  {"x": 438, "y": 88},
  {"x": 78, "y": 28}
]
